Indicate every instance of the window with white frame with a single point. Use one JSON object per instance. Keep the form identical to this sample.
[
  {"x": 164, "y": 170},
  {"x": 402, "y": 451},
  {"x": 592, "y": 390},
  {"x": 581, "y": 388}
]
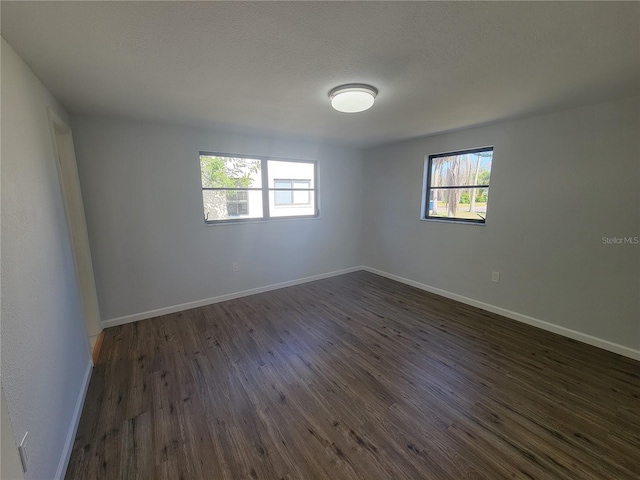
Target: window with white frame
[
  {"x": 456, "y": 185},
  {"x": 237, "y": 188}
]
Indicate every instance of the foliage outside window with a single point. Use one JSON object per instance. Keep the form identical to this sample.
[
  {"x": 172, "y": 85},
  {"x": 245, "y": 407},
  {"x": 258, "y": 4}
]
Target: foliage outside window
[
  {"x": 457, "y": 185},
  {"x": 238, "y": 188}
]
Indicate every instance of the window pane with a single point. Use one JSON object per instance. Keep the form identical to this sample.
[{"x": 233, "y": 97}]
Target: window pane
[
  {"x": 282, "y": 198},
  {"x": 301, "y": 184},
  {"x": 306, "y": 205},
  {"x": 280, "y": 171},
  {"x": 231, "y": 204},
  {"x": 230, "y": 172},
  {"x": 298, "y": 178},
  {"x": 462, "y": 169},
  {"x": 458, "y": 203},
  {"x": 301, "y": 198}
]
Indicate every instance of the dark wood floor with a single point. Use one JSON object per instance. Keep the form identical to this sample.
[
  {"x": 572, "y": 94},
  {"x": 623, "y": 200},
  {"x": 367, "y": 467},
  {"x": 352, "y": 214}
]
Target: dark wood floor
[{"x": 354, "y": 377}]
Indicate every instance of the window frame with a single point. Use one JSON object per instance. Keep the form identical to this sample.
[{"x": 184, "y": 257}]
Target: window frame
[
  {"x": 264, "y": 189},
  {"x": 427, "y": 187}
]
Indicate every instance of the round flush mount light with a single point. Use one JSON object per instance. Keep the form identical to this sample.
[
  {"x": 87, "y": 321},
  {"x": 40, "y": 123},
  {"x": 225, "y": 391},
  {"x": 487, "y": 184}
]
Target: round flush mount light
[{"x": 353, "y": 98}]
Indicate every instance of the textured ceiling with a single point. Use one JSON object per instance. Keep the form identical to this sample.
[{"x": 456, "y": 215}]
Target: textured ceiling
[{"x": 267, "y": 67}]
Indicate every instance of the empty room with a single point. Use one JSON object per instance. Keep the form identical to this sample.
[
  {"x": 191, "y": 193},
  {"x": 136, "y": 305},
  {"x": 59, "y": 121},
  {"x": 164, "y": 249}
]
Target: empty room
[{"x": 320, "y": 240}]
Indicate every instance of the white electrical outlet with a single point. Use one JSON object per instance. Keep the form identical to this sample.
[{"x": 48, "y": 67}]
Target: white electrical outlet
[
  {"x": 23, "y": 450},
  {"x": 234, "y": 266},
  {"x": 495, "y": 277}
]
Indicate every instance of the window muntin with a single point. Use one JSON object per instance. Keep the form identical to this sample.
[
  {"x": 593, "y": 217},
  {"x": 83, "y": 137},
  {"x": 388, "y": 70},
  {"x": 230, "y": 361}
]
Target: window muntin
[
  {"x": 236, "y": 188},
  {"x": 457, "y": 185}
]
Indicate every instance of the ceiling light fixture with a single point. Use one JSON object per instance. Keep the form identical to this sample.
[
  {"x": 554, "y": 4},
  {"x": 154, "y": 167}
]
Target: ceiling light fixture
[{"x": 353, "y": 98}]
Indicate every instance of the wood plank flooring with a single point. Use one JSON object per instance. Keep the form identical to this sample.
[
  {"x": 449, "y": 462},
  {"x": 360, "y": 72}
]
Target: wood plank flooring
[{"x": 354, "y": 377}]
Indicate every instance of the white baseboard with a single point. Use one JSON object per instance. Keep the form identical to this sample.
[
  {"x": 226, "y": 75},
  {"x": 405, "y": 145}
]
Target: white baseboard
[
  {"x": 73, "y": 428},
  {"x": 567, "y": 332},
  {"x": 575, "y": 335},
  {"x": 222, "y": 298}
]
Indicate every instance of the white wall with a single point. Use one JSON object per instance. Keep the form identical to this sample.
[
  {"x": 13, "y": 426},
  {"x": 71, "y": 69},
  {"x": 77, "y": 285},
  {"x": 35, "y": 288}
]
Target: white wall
[
  {"x": 143, "y": 203},
  {"x": 45, "y": 355},
  {"x": 559, "y": 183}
]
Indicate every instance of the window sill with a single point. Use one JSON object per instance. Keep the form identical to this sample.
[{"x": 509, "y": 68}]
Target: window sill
[
  {"x": 260, "y": 220},
  {"x": 447, "y": 220}
]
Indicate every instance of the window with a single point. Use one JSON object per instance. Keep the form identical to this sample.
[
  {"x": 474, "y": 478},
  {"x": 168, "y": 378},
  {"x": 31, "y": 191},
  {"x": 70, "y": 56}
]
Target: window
[
  {"x": 237, "y": 203},
  {"x": 238, "y": 188},
  {"x": 457, "y": 185},
  {"x": 290, "y": 193}
]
